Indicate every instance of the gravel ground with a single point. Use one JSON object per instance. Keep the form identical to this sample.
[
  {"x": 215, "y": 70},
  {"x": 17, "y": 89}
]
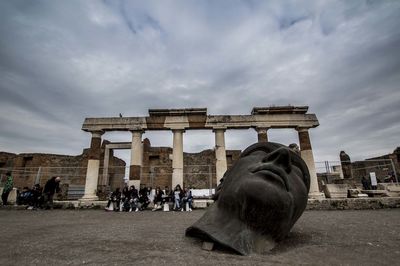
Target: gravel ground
[{"x": 95, "y": 237}]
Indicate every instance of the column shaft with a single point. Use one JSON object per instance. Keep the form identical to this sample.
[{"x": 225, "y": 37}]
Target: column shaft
[
  {"x": 262, "y": 134},
  {"x": 177, "y": 158},
  {"x": 136, "y": 159},
  {"x": 307, "y": 155},
  {"x": 92, "y": 172},
  {"x": 220, "y": 154},
  {"x": 104, "y": 181}
]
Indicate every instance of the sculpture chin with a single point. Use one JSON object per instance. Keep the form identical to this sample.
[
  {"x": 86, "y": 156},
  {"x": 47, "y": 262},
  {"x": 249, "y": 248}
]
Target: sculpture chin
[{"x": 219, "y": 227}]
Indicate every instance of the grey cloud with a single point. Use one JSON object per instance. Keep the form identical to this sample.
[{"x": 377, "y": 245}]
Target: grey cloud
[{"x": 63, "y": 61}]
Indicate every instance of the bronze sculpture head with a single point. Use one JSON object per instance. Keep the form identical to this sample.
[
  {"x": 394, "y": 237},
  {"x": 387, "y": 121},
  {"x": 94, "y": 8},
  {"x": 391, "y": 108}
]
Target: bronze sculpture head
[{"x": 258, "y": 200}]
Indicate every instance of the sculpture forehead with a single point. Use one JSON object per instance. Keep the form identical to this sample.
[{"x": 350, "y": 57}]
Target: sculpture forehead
[{"x": 269, "y": 147}]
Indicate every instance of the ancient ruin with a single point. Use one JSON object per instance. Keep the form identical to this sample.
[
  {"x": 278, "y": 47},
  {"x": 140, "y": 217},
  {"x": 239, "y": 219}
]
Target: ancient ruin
[
  {"x": 178, "y": 121},
  {"x": 36, "y": 168}
]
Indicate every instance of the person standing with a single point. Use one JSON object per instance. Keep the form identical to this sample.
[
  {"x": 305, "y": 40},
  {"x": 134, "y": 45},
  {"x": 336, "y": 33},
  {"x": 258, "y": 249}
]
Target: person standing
[
  {"x": 52, "y": 186},
  {"x": 178, "y": 195},
  {"x": 8, "y": 186}
]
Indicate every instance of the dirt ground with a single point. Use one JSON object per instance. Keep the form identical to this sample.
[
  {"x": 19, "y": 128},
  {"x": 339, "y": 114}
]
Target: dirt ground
[{"x": 96, "y": 237}]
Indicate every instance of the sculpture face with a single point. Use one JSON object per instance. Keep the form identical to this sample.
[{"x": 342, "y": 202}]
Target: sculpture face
[{"x": 260, "y": 198}]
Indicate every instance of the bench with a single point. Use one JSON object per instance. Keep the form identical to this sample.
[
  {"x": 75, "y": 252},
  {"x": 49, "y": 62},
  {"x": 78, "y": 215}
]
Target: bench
[
  {"x": 75, "y": 192},
  {"x": 375, "y": 193}
]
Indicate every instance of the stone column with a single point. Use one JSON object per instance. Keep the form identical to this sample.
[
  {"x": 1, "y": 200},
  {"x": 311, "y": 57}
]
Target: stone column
[
  {"x": 136, "y": 159},
  {"x": 106, "y": 162},
  {"x": 92, "y": 172},
  {"x": 177, "y": 158},
  {"x": 307, "y": 155},
  {"x": 262, "y": 134},
  {"x": 220, "y": 154}
]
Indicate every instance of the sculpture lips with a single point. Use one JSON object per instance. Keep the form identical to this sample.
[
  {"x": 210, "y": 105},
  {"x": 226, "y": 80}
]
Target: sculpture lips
[{"x": 269, "y": 171}]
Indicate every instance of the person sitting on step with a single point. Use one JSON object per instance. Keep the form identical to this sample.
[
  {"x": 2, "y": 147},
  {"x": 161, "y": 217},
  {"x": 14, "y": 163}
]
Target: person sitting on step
[
  {"x": 158, "y": 199},
  {"x": 178, "y": 195},
  {"x": 187, "y": 200}
]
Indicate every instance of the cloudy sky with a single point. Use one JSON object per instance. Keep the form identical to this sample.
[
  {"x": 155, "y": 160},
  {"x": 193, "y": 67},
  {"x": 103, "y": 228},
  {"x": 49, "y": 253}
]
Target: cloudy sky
[{"x": 62, "y": 61}]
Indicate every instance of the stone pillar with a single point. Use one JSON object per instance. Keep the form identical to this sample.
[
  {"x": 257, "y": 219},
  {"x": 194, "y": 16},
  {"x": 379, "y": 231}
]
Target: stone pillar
[
  {"x": 262, "y": 134},
  {"x": 220, "y": 154},
  {"x": 345, "y": 162},
  {"x": 136, "y": 159},
  {"x": 92, "y": 172},
  {"x": 177, "y": 158},
  {"x": 307, "y": 155},
  {"x": 106, "y": 163}
]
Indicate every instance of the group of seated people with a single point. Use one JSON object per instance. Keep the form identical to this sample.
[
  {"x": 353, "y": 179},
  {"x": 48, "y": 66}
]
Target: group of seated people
[
  {"x": 130, "y": 199},
  {"x": 33, "y": 197}
]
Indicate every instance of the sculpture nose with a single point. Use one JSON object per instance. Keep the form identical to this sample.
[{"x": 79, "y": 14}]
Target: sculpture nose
[{"x": 281, "y": 158}]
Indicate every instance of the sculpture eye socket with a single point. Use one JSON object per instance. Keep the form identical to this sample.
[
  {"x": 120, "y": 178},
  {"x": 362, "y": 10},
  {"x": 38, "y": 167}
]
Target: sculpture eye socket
[{"x": 258, "y": 153}]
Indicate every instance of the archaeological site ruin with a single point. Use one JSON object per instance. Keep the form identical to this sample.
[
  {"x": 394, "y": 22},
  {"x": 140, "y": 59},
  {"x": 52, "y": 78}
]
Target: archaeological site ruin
[{"x": 95, "y": 172}]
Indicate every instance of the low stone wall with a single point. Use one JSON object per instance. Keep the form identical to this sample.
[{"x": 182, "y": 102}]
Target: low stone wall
[{"x": 354, "y": 203}]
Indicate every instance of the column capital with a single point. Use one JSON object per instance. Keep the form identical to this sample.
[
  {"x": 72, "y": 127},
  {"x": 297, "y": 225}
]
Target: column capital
[
  {"x": 302, "y": 129},
  {"x": 136, "y": 128},
  {"x": 215, "y": 129},
  {"x": 182, "y": 130},
  {"x": 97, "y": 133},
  {"x": 262, "y": 135},
  {"x": 261, "y": 129}
]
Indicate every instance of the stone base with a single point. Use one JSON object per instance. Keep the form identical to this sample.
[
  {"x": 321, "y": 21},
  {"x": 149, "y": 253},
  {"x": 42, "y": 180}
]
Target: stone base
[
  {"x": 202, "y": 203},
  {"x": 89, "y": 198},
  {"x": 93, "y": 204},
  {"x": 316, "y": 195},
  {"x": 135, "y": 183},
  {"x": 354, "y": 203}
]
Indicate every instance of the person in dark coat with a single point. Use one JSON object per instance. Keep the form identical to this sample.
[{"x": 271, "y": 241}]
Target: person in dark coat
[
  {"x": 133, "y": 198},
  {"x": 115, "y": 199},
  {"x": 158, "y": 199},
  {"x": 143, "y": 198},
  {"x": 37, "y": 199},
  {"x": 52, "y": 186}
]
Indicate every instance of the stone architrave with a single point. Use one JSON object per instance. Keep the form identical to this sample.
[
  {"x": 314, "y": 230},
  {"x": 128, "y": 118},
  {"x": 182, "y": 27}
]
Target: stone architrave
[
  {"x": 92, "y": 172},
  {"x": 177, "y": 158},
  {"x": 220, "y": 153},
  {"x": 307, "y": 155}
]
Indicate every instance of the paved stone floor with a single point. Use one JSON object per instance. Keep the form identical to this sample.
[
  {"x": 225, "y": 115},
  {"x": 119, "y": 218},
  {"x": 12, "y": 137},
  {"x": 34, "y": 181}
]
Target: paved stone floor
[{"x": 95, "y": 237}]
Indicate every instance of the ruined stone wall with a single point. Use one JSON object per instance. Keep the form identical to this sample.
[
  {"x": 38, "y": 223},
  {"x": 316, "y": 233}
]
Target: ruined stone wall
[
  {"x": 30, "y": 168},
  {"x": 157, "y": 167},
  {"x": 380, "y": 165},
  {"x": 198, "y": 168}
]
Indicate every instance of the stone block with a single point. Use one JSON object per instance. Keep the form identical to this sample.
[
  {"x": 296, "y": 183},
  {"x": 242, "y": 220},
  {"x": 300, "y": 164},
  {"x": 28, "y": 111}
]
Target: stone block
[
  {"x": 202, "y": 203},
  {"x": 334, "y": 191},
  {"x": 12, "y": 197},
  {"x": 376, "y": 193},
  {"x": 208, "y": 246}
]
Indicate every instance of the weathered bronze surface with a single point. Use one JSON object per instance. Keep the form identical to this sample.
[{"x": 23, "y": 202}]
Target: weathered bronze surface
[{"x": 258, "y": 201}]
